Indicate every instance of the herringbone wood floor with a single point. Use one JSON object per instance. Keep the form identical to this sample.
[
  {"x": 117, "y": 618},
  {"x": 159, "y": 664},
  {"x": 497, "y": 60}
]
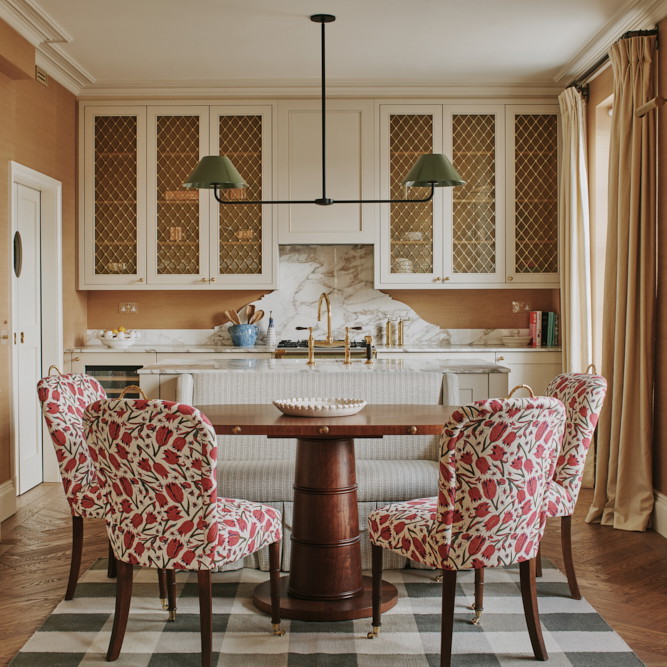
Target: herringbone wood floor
[{"x": 623, "y": 575}]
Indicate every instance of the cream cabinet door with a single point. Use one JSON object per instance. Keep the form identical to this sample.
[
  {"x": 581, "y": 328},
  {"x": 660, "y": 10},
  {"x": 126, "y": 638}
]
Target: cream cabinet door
[
  {"x": 350, "y": 162},
  {"x": 243, "y": 250},
  {"x": 112, "y": 237},
  {"x": 535, "y": 368},
  {"x": 177, "y": 217},
  {"x": 533, "y": 237}
]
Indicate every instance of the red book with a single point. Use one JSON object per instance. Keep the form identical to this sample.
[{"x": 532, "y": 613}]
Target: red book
[{"x": 535, "y": 329}]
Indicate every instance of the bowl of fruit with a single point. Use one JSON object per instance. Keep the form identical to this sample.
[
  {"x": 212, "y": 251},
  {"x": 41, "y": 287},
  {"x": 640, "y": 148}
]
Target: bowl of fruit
[{"x": 119, "y": 338}]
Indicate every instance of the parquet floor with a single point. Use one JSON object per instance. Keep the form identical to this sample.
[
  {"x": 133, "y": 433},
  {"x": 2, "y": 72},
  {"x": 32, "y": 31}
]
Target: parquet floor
[{"x": 623, "y": 575}]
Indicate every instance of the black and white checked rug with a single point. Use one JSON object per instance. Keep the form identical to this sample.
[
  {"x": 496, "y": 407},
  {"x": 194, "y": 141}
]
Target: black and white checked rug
[{"x": 77, "y": 632}]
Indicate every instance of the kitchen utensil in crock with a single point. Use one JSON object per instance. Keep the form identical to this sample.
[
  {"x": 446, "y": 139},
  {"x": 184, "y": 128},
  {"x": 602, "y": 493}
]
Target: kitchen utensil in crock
[
  {"x": 256, "y": 317},
  {"x": 232, "y": 316},
  {"x": 249, "y": 312}
]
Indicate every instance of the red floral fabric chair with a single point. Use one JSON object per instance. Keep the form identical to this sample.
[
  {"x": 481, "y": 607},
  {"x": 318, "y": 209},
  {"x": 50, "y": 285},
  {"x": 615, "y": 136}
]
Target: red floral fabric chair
[
  {"x": 63, "y": 399},
  {"x": 497, "y": 457},
  {"x": 583, "y": 396},
  {"x": 157, "y": 465}
]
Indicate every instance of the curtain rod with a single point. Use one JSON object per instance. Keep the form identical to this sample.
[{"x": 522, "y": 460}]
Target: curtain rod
[{"x": 580, "y": 82}]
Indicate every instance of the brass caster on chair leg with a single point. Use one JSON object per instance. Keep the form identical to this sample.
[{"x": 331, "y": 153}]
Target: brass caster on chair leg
[
  {"x": 172, "y": 616},
  {"x": 276, "y": 630},
  {"x": 165, "y": 603},
  {"x": 478, "y": 616},
  {"x": 375, "y": 632}
]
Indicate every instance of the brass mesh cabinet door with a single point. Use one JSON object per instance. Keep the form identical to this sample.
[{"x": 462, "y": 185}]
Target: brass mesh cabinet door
[
  {"x": 113, "y": 204},
  {"x": 410, "y": 248},
  {"x": 243, "y": 254},
  {"x": 476, "y": 245},
  {"x": 177, "y": 217},
  {"x": 533, "y": 164}
]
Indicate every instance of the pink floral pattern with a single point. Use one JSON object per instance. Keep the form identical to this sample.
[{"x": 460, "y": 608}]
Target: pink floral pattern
[
  {"x": 157, "y": 464},
  {"x": 583, "y": 396},
  {"x": 63, "y": 399},
  {"x": 496, "y": 458}
]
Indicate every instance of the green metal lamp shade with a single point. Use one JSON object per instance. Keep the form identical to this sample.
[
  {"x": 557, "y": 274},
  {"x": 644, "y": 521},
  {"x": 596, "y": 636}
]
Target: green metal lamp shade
[
  {"x": 215, "y": 170},
  {"x": 433, "y": 169}
]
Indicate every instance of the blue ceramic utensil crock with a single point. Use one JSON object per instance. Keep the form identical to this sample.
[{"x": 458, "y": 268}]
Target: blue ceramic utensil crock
[{"x": 244, "y": 335}]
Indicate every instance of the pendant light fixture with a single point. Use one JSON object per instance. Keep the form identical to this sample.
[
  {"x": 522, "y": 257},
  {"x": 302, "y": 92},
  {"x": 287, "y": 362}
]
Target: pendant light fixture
[{"x": 217, "y": 172}]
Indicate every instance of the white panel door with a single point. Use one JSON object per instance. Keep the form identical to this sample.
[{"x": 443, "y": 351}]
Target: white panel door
[{"x": 27, "y": 337}]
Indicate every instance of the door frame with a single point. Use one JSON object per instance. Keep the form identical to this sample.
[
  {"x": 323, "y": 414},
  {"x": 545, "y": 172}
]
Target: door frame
[{"x": 51, "y": 294}]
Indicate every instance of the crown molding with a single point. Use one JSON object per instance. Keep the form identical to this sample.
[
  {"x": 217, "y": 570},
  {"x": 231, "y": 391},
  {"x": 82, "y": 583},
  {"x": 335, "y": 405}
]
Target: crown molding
[
  {"x": 291, "y": 88},
  {"x": 636, "y": 15}
]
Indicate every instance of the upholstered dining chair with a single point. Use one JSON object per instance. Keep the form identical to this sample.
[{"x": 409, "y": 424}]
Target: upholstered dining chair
[
  {"x": 583, "y": 395},
  {"x": 157, "y": 464},
  {"x": 496, "y": 460},
  {"x": 63, "y": 399}
]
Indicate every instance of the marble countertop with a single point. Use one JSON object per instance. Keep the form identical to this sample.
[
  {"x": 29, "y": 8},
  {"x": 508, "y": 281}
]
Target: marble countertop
[
  {"x": 323, "y": 366},
  {"x": 225, "y": 349}
]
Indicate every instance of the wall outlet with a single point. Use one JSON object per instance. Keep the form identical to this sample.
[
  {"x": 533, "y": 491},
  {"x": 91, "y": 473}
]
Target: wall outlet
[
  {"x": 520, "y": 306},
  {"x": 128, "y": 307}
]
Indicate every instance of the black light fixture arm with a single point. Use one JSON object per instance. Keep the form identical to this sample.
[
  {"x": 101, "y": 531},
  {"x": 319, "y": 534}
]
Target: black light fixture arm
[{"x": 321, "y": 202}]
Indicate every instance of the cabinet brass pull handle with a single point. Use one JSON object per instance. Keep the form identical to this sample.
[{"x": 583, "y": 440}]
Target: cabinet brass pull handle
[
  {"x": 23, "y": 337},
  {"x": 437, "y": 280},
  {"x": 76, "y": 358},
  {"x": 411, "y": 430},
  {"x": 236, "y": 430},
  {"x": 324, "y": 430}
]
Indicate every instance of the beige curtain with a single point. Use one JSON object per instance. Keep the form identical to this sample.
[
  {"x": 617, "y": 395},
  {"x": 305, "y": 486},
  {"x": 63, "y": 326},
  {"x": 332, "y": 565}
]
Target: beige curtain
[
  {"x": 576, "y": 296},
  {"x": 624, "y": 490}
]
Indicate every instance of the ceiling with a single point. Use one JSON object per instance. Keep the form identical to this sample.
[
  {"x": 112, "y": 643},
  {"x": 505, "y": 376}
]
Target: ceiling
[{"x": 199, "y": 47}]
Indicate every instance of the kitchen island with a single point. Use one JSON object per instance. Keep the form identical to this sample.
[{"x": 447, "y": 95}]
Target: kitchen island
[{"x": 477, "y": 379}]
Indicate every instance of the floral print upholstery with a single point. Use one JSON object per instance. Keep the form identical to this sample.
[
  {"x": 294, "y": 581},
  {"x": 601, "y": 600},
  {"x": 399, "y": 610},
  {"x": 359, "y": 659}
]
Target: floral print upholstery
[
  {"x": 583, "y": 396},
  {"x": 157, "y": 463},
  {"x": 496, "y": 458},
  {"x": 63, "y": 399}
]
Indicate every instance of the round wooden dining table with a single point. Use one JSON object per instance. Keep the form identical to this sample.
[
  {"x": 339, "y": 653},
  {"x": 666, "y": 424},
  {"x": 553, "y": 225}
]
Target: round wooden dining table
[{"x": 325, "y": 581}]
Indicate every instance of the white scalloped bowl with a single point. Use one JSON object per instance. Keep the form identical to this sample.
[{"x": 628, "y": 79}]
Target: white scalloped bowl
[
  {"x": 117, "y": 342},
  {"x": 320, "y": 407}
]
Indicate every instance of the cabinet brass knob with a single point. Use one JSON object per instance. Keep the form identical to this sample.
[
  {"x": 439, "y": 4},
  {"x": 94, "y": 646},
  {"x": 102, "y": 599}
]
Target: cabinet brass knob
[
  {"x": 236, "y": 430},
  {"x": 76, "y": 358},
  {"x": 411, "y": 430},
  {"x": 445, "y": 279},
  {"x": 141, "y": 280},
  {"x": 212, "y": 280},
  {"x": 501, "y": 358},
  {"x": 324, "y": 430},
  {"x": 510, "y": 278},
  {"x": 437, "y": 280}
]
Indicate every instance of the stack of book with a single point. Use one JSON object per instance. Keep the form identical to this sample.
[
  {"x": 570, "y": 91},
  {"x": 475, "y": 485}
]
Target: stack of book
[{"x": 543, "y": 328}]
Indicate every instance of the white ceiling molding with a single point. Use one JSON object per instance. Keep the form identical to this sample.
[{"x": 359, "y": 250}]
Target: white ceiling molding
[
  {"x": 289, "y": 88},
  {"x": 44, "y": 33},
  {"x": 637, "y": 15}
]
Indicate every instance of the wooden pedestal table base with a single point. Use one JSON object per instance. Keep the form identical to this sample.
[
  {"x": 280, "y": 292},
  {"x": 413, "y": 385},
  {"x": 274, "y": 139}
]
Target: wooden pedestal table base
[{"x": 325, "y": 581}]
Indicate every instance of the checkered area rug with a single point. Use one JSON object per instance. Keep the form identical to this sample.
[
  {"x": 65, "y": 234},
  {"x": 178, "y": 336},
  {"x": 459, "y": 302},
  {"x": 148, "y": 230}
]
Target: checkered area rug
[{"x": 77, "y": 632}]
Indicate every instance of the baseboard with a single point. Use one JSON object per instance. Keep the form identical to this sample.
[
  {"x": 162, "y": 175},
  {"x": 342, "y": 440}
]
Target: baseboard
[
  {"x": 660, "y": 513},
  {"x": 7, "y": 499}
]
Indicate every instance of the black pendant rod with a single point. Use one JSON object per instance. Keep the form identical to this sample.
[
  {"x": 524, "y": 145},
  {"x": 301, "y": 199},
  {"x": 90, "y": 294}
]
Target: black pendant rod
[{"x": 323, "y": 19}]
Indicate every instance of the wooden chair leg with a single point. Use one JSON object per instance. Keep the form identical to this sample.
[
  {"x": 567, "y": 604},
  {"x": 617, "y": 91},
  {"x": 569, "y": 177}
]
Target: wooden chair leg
[
  {"x": 479, "y": 595},
  {"x": 274, "y": 574},
  {"x": 376, "y": 592},
  {"x": 566, "y": 545},
  {"x": 530, "y": 610},
  {"x": 162, "y": 585},
  {"x": 171, "y": 593},
  {"x": 205, "y": 616},
  {"x": 123, "y": 597},
  {"x": 538, "y": 562},
  {"x": 111, "y": 565},
  {"x": 447, "y": 627},
  {"x": 75, "y": 560}
]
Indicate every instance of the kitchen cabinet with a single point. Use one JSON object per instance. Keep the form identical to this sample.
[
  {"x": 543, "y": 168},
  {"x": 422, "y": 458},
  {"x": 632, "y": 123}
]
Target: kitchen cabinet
[
  {"x": 142, "y": 230},
  {"x": 350, "y": 163},
  {"x": 535, "y": 368},
  {"x": 501, "y": 227}
]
